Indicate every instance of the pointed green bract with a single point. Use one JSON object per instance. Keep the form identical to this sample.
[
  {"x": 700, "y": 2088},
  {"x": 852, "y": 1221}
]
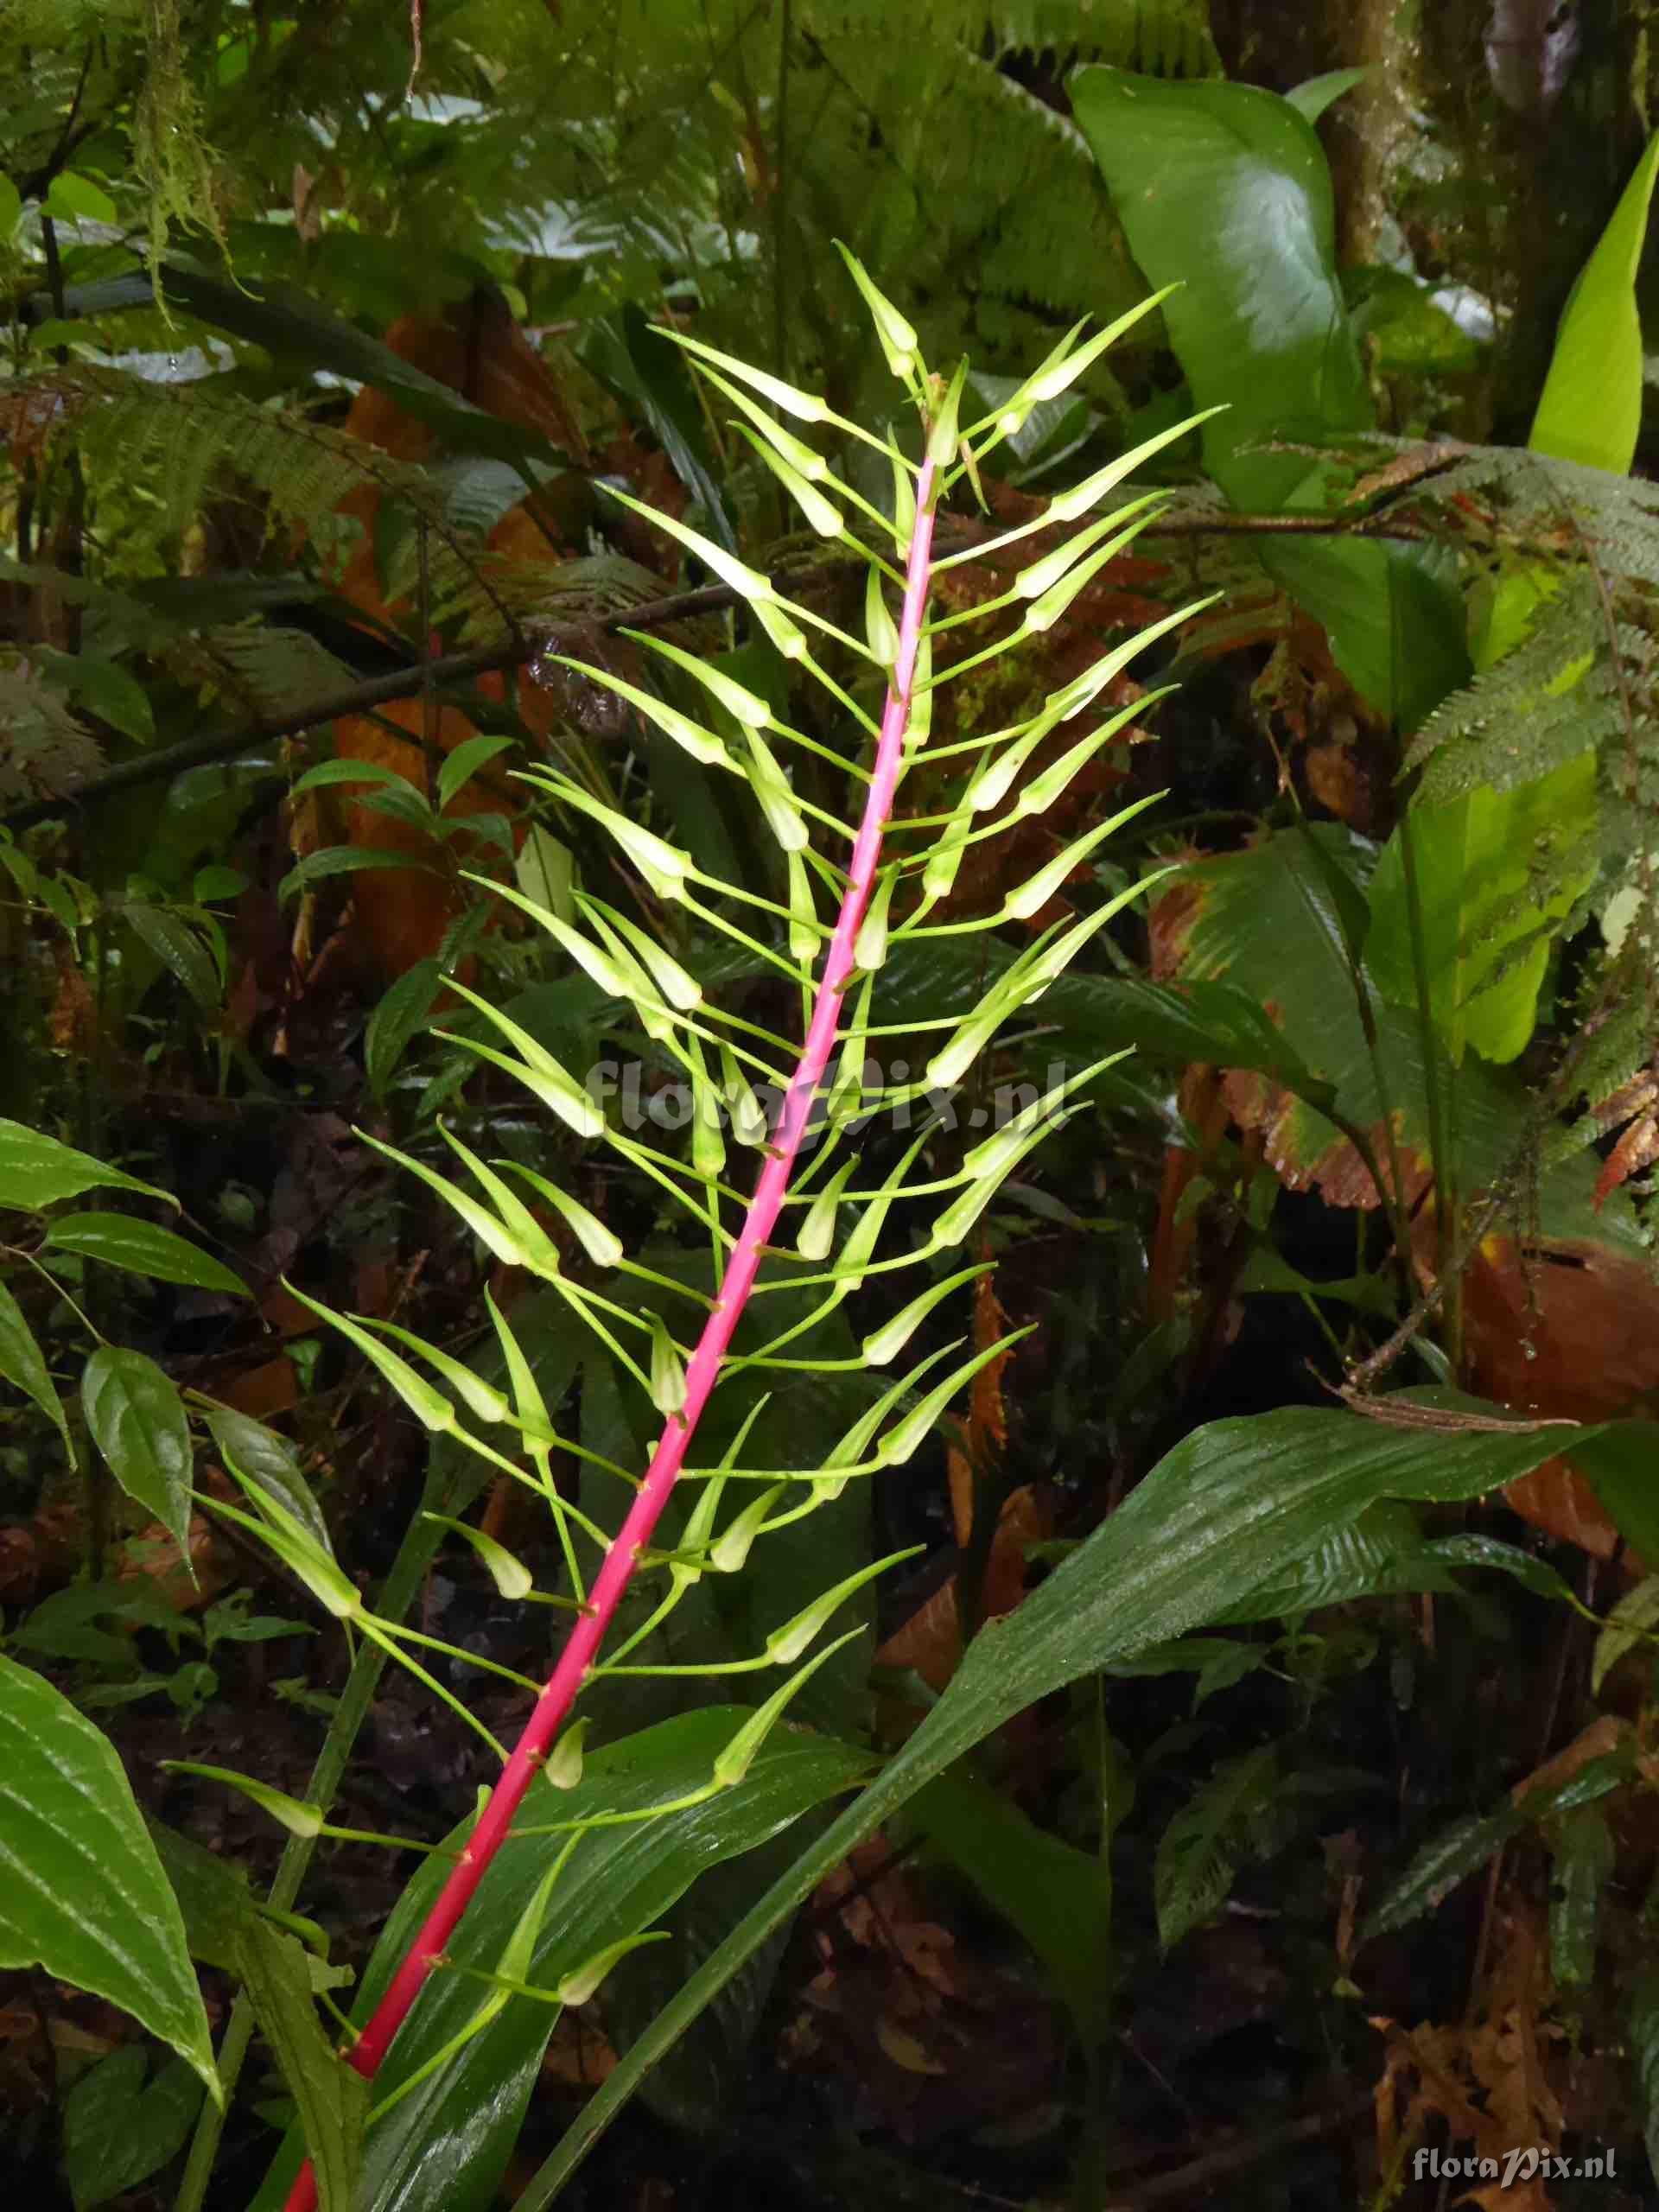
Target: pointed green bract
[
  {"x": 702, "y": 743},
  {"x": 742, "y": 704},
  {"x": 803, "y": 405},
  {"x": 897, "y": 335},
  {"x": 883, "y": 1345}
]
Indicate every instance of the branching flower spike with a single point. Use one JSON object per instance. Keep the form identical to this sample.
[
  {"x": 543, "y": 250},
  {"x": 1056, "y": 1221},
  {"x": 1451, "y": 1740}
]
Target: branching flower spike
[{"x": 850, "y": 912}]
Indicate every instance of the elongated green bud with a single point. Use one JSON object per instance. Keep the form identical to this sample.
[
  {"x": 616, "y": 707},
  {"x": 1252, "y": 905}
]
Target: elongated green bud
[
  {"x": 1056, "y": 375},
  {"x": 1046, "y": 611},
  {"x": 1066, "y": 506},
  {"x": 988, "y": 1156},
  {"x": 903, "y": 1439},
  {"x": 506, "y": 1570},
  {"x": 1034, "y": 580},
  {"x": 1035, "y": 892},
  {"x": 729, "y": 1553},
  {"x": 748, "y": 1115},
  {"x": 803, "y": 912},
  {"x": 800, "y": 456},
  {"x": 707, "y": 1111},
  {"x": 772, "y": 787},
  {"x": 921, "y": 693},
  {"x": 702, "y": 743},
  {"x": 883, "y": 1345},
  {"x": 822, "y": 514},
  {"x": 850, "y": 1452},
  {"x": 564, "y": 1765},
  {"x": 667, "y": 1369},
  {"x": 663, "y": 867},
  {"x": 786, "y": 634},
  {"x": 640, "y": 990},
  {"x": 556, "y": 1090},
  {"x": 492, "y": 1233},
  {"x": 430, "y": 1406},
  {"x": 739, "y": 1755},
  {"x": 870, "y": 945},
  {"x": 596, "y": 965},
  {"x": 942, "y": 436},
  {"x": 602, "y": 1245},
  {"x": 678, "y": 986},
  {"x": 583, "y": 1982},
  {"x": 904, "y": 503},
  {"x": 878, "y": 629},
  {"x": 1041, "y": 792},
  {"x": 898, "y": 337},
  {"x": 740, "y": 703},
  {"x": 297, "y": 1818},
  {"x": 959, "y": 1217},
  {"x": 749, "y": 581},
  {"x": 804, "y": 406},
  {"x": 817, "y": 1235},
  {"x": 787, "y": 1641},
  {"x": 482, "y": 1399}
]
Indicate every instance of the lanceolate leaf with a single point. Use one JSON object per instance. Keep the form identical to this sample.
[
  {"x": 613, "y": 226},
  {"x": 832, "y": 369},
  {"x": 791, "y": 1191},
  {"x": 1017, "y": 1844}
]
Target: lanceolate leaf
[
  {"x": 121, "y": 1241},
  {"x": 334, "y": 2102},
  {"x": 37, "y": 1170},
  {"x": 1591, "y": 408},
  {"x": 137, "y": 1422},
  {"x": 82, "y": 1893},
  {"x": 22, "y": 1366},
  {"x": 259, "y": 1453},
  {"x": 1211, "y": 1523}
]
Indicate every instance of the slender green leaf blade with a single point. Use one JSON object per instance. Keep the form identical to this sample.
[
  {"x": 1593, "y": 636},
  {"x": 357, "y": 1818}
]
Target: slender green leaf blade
[
  {"x": 37, "y": 1170},
  {"x": 24, "y": 1367}
]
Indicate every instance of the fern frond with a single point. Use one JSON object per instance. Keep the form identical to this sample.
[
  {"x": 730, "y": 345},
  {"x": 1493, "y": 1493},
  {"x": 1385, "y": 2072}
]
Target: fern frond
[{"x": 44, "y": 751}]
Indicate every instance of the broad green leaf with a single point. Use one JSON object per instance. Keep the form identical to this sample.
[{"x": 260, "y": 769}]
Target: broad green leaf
[
  {"x": 82, "y": 1893},
  {"x": 1057, "y": 1897},
  {"x": 118, "y": 2130},
  {"x": 74, "y": 198},
  {"x": 181, "y": 949},
  {"x": 332, "y": 2097},
  {"x": 137, "y": 1420},
  {"x": 345, "y": 770},
  {"x": 22, "y": 1366},
  {"x": 1261, "y": 329},
  {"x": 1193, "y": 1872},
  {"x": 37, "y": 1170},
  {"x": 122, "y": 1240},
  {"x": 445, "y": 2147},
  {"x": 397, "y": 1020},
  {"x": 1211, "y": 1523},
  {"x": 1589, "y": 409},
  {"x": 1481, "y": 862}
]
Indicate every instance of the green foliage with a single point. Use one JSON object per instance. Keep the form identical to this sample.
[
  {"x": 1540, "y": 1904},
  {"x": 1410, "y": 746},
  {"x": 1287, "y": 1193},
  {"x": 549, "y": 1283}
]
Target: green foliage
[{"x": 85, "y": 1896}]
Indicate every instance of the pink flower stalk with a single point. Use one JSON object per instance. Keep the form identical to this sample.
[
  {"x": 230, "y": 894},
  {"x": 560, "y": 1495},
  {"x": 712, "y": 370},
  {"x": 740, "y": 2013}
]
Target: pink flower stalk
[{"x": 560, "y": 1692}]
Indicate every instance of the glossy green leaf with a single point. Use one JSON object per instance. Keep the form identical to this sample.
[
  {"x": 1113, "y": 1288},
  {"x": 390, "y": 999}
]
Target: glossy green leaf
[
  {"x": 445, "y": 2147},
  {"x": 82, "y": 1893},
  {"x": 120, "y": 1240},
  {"x": 1590, "y": 409},
  {"x": 464, "y": 763},
  {"x": 137, "y": 1421},
  {"x": 118, "y": 2130},
  {"x": 37, "y": 1170},
  {"x": 179, "y": 947},
  {"x": 1261, "y": 330},
  {"x": 1211, "y": 1523},
  {"x": 24, "y": 1367}
]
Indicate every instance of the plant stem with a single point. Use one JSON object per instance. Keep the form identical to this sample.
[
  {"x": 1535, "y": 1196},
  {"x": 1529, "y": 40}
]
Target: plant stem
[{"x": 566, "y": 1681}]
